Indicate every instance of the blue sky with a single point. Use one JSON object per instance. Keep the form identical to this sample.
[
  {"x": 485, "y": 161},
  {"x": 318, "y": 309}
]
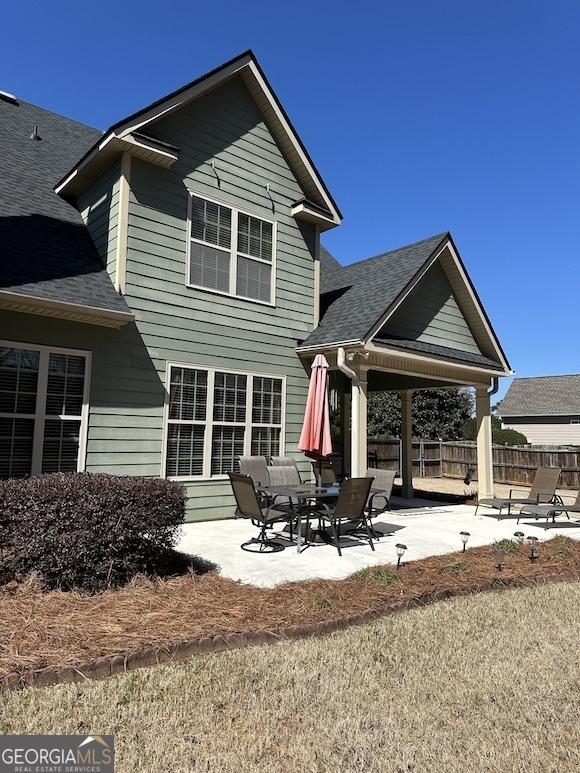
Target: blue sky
[{"x": 421, "y": 116}]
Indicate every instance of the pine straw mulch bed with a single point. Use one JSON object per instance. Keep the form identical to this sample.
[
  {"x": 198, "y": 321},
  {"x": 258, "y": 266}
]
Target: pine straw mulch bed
[{"x": 48, "y": 630}]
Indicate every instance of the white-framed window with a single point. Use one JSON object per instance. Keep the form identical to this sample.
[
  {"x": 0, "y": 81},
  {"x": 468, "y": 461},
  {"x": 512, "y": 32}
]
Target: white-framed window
[
  {"x": 213, "y": 416},
  {"x": 44, "y": 404},
  {"x": 230, "y": 251}
]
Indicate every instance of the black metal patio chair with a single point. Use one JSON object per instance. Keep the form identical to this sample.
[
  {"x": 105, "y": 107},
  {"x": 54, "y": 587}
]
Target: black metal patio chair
[
  {"x": 257, "y": 469},
  {"x": 288, "y": 461},
  {"x": 350, "y": 508},
  {"x": 380, "y": 501},
  {"x": 262, "y": 517}
]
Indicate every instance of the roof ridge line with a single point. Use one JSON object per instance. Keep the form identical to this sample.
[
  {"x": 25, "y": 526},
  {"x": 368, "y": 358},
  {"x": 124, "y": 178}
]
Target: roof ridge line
[{"x": 441, "y": 236}]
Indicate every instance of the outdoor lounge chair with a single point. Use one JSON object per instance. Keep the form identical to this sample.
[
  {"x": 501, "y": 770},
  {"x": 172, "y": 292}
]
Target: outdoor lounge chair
[
  {"x": 380, "y": 501},
  {"x": 543, "y": 491},
  {"x": 262, "y": 517},
  {"x": 350, "y": 508},
  {"x": 551, "y": 510}
]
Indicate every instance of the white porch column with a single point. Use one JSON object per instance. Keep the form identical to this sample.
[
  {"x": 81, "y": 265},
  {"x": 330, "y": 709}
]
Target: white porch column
[
  {"x": 362, "y": 424},
  {"x": 358, "y": 441},
  {"x": 407, "y": 443},
  {"x": 484, "y": 443}
]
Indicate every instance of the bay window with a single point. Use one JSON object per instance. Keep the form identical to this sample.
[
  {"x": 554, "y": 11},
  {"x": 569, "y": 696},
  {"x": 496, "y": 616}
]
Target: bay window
[
  {"x": 230, "y": 251},
  {"x": 215, "y": 416},
  {"x": 43, "y": 409}
]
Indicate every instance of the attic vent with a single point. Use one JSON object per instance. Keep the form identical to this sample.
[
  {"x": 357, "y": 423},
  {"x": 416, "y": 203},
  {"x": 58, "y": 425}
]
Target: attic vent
[{"x": 6, "y": 97}]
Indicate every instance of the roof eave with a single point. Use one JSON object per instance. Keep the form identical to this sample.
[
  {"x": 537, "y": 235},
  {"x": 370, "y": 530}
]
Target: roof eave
[
  {"x": 110, "y": 147},
  {"x": 448, "y": 361},
  {"x": 302, "y": 211},
  {"x": 73, "y": 312}
]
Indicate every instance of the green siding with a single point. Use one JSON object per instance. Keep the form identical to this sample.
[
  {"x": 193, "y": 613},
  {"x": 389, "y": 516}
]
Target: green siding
[
  {"x": 99, "y": 208},
  {"x": 431, "y": 314},
  {"x": 177, "y": 323},
  {"x": 126, "y": 396},
  {"x": 181, "y": 324}
]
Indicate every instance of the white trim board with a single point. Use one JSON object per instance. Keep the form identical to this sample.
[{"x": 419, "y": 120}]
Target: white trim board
[{"x": 76, "y": 312}]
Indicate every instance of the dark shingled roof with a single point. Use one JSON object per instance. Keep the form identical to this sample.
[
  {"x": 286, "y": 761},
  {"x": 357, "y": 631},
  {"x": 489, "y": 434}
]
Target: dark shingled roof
[
  {"x": 542, "y": 396},
  {"x": 355, "y": 297},
  {"x": 45, "y": 248}
]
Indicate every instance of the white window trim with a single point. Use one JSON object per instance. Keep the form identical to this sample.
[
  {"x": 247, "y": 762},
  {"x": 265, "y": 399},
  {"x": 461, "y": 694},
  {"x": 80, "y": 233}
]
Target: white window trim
[
  {"x": 40, "y": 412},
  {"x": 209, "y": 422},
  {"x": 233, "y": 251}
]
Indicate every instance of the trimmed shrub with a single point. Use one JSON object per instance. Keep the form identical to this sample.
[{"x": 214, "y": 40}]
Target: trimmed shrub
[{"x": 89, "y": 531}]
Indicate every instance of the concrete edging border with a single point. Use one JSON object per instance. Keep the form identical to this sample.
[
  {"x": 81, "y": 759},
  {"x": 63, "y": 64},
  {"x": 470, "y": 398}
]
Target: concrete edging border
[{"x": 102, "y": 668}]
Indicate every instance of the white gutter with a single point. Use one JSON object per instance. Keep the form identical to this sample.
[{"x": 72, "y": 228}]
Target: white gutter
[{"x": 355, "y": 405}]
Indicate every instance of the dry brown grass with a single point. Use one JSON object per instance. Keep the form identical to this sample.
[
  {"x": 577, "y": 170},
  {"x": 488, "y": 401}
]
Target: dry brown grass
[
  {"x": 41, "y": 630},
  {"x": 482, "y": 683}
]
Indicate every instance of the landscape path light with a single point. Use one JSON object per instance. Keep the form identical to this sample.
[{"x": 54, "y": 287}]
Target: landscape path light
[
  {"x": 533, "y": 548},
  {"x": 400, "y": 548},
  {"x": 465, "y": 535},
  {"x": 519, "y": 535}
]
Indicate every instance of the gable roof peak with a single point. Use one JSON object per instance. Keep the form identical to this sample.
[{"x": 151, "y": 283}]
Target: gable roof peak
[{"x": 120, "y": 136}]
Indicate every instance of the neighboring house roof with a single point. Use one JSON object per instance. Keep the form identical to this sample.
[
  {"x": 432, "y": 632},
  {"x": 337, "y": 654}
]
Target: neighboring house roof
[
  {"x": 542, "y": 396},
  {"x": 46, "y": 251},
  {"x": 319, "y": 204},
  {"x": 356, "y": 296}
]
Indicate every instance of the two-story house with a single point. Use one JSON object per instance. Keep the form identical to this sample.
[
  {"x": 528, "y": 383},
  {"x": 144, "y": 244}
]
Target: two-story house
[{"x": 163, "y": 292}]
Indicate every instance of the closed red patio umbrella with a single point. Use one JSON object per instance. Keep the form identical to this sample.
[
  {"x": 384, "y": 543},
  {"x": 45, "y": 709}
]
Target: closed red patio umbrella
[{"x": 315, "y": 439}]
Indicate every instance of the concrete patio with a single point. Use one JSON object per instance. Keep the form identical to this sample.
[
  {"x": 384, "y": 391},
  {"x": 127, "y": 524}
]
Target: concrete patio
[{"x": 427, "y": 528}]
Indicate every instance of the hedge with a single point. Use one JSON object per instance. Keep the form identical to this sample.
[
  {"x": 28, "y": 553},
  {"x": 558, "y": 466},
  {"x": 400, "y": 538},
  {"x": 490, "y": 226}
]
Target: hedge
[{"x": 88, "y": 531}]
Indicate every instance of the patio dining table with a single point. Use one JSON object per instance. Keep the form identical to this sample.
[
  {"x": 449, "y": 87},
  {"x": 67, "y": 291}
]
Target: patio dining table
[{"x": 302, "y": 493}]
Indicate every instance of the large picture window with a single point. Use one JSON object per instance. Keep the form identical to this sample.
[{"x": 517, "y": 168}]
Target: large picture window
[
  {"x": 231, "y": 252},
  {"x": 216, "y": 416},
  {"x": 43, "y": 410}
]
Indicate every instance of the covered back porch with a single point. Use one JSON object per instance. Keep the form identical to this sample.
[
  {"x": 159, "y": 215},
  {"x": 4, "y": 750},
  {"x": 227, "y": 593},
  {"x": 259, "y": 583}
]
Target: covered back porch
[{"x": 357, "y": 371}]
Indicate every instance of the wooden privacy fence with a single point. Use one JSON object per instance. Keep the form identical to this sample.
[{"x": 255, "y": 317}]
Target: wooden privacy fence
[{"x": 454, "y": 459}]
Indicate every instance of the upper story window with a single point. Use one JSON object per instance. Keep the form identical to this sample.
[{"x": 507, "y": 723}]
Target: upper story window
[{"x": 231, "y": 252}]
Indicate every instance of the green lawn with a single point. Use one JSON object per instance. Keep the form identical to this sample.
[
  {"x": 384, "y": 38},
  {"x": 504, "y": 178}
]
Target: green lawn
[{"x": 483, "y": 683}]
